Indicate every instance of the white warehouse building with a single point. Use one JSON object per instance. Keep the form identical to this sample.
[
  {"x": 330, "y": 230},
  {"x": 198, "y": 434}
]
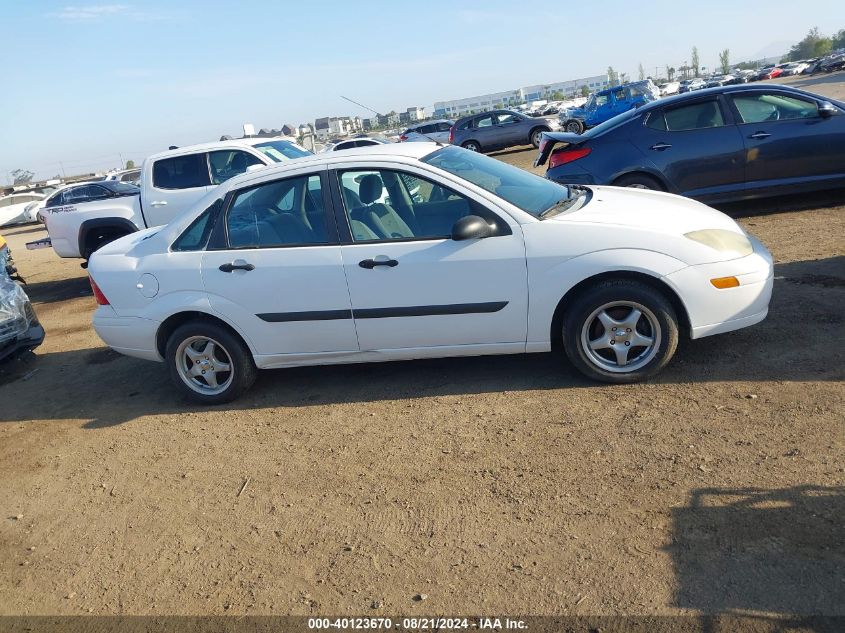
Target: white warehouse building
[{"x": 460, "y": 107}]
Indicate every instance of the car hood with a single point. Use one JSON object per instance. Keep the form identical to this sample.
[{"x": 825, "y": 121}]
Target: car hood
[{"x": 649, "y": 210}]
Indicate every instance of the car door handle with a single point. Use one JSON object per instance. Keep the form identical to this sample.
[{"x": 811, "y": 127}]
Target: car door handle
[
  {"x": 660, "y": 146},
  {"x": 369, "y": 264},
  {"x": 158, "y": 203},
  {"x": 227, "y": 268},
  {"x": 760, "y": 135}
]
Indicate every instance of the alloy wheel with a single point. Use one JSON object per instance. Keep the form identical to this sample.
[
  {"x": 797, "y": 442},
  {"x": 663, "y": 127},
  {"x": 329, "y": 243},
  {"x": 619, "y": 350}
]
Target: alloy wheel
[
  {"x": 204, "y": 365},
  {"x": 621, "y": 337}
]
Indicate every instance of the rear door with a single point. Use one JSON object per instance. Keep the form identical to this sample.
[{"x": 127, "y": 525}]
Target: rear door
[
  {"x": 486, "y": 132},
  {"x": 173, "y": 184},
  {"x": 787, "y": 142},
  {"x": 696, "y": 146},
  {"x": 275, "y": 268}
]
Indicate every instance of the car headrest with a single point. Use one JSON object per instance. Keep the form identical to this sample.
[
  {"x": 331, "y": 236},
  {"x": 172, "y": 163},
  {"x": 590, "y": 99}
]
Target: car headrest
[{"x": 370, "y": 188}]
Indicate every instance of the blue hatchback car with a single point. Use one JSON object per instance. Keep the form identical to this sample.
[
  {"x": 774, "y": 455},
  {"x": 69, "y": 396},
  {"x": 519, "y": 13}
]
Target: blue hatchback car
[{"x": 716, "y": 145}]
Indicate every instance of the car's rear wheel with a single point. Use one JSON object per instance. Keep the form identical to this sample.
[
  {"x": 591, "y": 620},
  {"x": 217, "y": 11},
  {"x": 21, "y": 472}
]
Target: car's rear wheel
[
  {"x": 536, "y": 135},
  {"x": 573, "y": 126},
  {"x": 620, "y": 331},
  {"x": 472, "y": 146},
  {"x": 208, "y": 363},
  {"x": 638, "y": 181}
]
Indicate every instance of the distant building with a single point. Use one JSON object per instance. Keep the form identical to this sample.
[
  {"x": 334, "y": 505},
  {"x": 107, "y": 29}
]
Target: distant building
[
  {"x": 328, "y": 127},
  {"x": 460, "y": 107},
  {"x": 416, "y": 114}
]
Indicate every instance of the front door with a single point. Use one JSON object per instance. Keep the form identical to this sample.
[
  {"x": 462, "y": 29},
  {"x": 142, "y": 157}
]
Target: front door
[
  {"x": 279, "y": 274},
  {"x": 787, "y": 142},
  {"x": 411, "y": 285}
]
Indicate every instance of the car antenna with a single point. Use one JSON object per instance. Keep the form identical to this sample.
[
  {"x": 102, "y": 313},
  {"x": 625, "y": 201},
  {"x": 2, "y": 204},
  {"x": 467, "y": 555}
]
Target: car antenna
[{"x": 435, "y": 141}]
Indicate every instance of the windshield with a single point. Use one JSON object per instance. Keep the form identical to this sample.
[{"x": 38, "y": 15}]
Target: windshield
[
  {"x": 280, "y": 151},
  {"x": 538, "y": 196}
]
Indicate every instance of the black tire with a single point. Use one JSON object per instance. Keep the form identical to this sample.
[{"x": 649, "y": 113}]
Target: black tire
[
  {"x": 582, "y": 326},
  {"x": 536, "y": 133},
  {"x": 638, "y": 181},
  {"x": 573, "y": 126},
  {"x": 473, "y": 146},
  {"x": 243, "y": 370}
]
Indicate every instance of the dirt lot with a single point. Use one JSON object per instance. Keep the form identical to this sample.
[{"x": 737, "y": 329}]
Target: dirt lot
[{"x": 492, "y": 485}]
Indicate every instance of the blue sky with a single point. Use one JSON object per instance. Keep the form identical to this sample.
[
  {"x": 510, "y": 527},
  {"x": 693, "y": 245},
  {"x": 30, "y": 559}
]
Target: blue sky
[{"x": 87, "y": 84}]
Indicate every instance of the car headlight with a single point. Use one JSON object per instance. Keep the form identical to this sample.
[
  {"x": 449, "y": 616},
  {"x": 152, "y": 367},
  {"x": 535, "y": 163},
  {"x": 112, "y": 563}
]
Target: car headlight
[{"x": 723, "y": 241}]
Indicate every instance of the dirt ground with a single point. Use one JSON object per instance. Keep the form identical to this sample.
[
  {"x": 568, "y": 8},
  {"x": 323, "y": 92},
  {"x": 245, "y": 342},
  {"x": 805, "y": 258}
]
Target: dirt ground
[{"x": 490, "y": 485}]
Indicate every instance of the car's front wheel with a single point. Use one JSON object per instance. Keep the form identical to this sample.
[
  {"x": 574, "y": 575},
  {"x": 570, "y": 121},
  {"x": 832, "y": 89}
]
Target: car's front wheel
[
  {"x": 573, "y": 126},
  {"x": 620, "y": 331},
  {"x": 208, "y": 363},
  {"x": 638, "y": 181}
]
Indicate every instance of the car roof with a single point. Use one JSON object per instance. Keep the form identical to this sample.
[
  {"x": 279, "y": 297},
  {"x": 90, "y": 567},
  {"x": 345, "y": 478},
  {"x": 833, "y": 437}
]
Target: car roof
[
  {"x": 742, "y": 88},
  {"x": 231, "y": 143},
  {"x": 421, "y": 123}
]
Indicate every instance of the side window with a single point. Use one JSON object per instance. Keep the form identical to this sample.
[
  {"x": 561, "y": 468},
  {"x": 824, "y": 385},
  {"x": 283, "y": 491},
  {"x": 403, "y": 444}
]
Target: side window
[
  {"x": 195, "y": 237},
  {"x": 656, "y": 121},
  {"x": 228, "y": 163},
  {"x": 601, "y": 100},
  {"x": 505, "y": 118},
  {"x": 95, "y": 192},
  {"x": 443, "y": 127},
  {"x": 181, "y": 172},
  {"x": 287, "y": 212},
  {"x": 393, "y": 205},
  {"x": 485, "y": 121},
  {"x": 56, "y": 200},
  {"x": 756, "y": 108},
  {"x": 75, "y": 194},
  {"x": 696, "y": 116}
]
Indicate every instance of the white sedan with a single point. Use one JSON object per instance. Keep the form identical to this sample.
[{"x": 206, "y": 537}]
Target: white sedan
[{"x": 416, "y": 250}]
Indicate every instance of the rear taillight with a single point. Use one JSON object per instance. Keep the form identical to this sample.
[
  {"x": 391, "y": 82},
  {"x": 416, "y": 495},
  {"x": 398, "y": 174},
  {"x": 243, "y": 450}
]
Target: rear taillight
[
  {"x": 451, "y": 134},
  {"x": 563, "y": 156},
  {"x": 98, "y": 294},
  {"x": 403, "y": 137}
]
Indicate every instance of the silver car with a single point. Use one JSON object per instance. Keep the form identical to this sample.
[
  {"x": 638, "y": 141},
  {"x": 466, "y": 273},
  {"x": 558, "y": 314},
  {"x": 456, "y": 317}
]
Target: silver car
[
  {"x": 437, "y": 131},
  {"x": 499, "y": 129}
]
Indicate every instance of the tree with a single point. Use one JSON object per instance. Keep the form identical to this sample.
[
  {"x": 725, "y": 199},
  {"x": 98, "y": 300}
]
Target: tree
[
  {"x": 130, "y": 164},
  {"x": 612, "y": 77},
  {"x": 641, "y": 72},
  {"x": 557, "y": 95},
  {"x": 694, "y": 64},
  {"x": 21, "y": 176},
  {"x": 585, "y": 91},
  {"x": 725, "y": 61},
  {"x": 814, "y": 44},
  {"x": 838, "y": 40}
]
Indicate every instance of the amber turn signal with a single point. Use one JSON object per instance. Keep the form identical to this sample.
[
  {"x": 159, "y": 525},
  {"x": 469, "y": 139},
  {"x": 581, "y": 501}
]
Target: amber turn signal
[{"x": 725, "y": 282}]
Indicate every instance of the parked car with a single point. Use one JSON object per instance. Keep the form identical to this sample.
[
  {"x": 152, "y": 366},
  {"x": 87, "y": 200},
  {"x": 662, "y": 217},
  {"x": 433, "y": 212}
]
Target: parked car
[
  {"x": 498, "y": 129},
  {"x": 721, "y": 144},
  {"x": 364, "y": 141},
  {"x": 718, "y": 80},
  {"x": 17, "y": 208},
  {"x": 832, "y": 63},
  {"x": 20, "y": 330},
  {"x": 739, "y": 77},
  {"x": 768, "y": 72},
  {"x": 437, "y": 131},
  {"x": 606, "y": 104},
  {"x": 132, "y": 176},
  {"x": 616, "y": 276},
  {"x": 689, "y": 85},
  {"x": 793, "y": 68},
  {"x": 171, "y": 182},
  {"x": 670, "y": 88}
]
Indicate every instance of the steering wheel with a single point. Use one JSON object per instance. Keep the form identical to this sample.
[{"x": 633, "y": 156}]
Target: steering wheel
[{"x": 774, "y": 116}]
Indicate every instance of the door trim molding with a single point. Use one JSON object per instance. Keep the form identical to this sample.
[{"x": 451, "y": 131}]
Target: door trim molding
[{"x": 385, "y": 313}]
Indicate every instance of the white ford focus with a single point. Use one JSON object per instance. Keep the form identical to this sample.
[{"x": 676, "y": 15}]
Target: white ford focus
[{"x": 415, "y": 250}]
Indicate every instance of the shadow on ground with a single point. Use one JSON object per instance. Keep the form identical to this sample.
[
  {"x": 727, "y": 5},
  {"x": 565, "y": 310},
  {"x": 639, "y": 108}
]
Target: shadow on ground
[{"x": 777, "y": 551}]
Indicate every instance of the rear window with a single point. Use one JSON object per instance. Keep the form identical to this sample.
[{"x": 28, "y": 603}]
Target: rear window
[
  {"x": 695, "y": 116},
  {"x": 195, "y": 237},
  {"x": 181, "y": 172}
]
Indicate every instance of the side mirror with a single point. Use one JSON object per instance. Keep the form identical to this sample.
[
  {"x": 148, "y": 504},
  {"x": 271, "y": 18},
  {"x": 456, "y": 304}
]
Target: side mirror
[
  {"x": 471, "y": 227},
  {"x": 827, "y": 109}
]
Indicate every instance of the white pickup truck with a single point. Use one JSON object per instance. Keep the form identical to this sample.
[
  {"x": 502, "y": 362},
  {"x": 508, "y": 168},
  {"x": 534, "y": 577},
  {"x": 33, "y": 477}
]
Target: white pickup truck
[{"x": 82, "y": 218}]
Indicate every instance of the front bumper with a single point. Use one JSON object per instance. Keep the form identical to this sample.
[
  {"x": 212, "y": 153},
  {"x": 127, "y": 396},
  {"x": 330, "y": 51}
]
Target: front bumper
[
  {"x": 24, "y": 342},
  {"x": 713, "y": 311},
  {"x": 132, "y": 336}
]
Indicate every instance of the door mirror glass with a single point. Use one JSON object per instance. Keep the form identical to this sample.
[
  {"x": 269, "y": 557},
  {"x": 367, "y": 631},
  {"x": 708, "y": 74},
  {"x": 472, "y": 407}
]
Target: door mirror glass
[
  {"x": 471, "y": 227},
  {"x": 826, "y": 109}
]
